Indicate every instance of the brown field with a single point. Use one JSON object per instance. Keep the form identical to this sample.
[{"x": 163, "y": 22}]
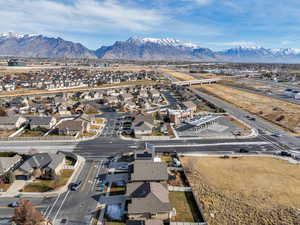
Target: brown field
[
  {"x": 178, "y": 75},
  {"x": 284, "y": 114},
  {"x": 246, "y": 190},
  {"x": 35, "y": 92}
]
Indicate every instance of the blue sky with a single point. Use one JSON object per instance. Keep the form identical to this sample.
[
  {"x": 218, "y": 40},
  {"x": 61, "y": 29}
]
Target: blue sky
[{"x": 217, "y": 24}]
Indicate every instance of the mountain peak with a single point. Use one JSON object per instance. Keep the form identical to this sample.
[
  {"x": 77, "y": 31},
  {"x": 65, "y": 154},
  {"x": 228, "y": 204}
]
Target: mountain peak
[{"x": 163, "y": 41}]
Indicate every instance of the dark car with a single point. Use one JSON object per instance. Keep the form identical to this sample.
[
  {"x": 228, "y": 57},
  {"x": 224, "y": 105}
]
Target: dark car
[
  {"x": 284, "y": 153},
  {"x": 64, "y": 221},
  {"x": 242, "y": 150},
  {"x": 76, "y": 186},
  {"x": 13, "y": 204}
]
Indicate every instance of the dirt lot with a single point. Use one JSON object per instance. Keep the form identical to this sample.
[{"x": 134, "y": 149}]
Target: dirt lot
[
  {"x": 246, "y": 190},
  {"x": 178, "y": 75},
  {"x": 284, "y": 114}
]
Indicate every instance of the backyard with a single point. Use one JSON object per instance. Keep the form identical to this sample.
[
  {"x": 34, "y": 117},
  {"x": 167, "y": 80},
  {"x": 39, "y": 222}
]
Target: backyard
[{"x": 186, "y": 207}]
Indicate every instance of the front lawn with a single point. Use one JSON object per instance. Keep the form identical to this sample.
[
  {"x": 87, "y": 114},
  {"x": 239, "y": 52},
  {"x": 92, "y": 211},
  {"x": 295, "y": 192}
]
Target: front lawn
[
  {"x": 185, "y": 205},
  {"x": 49, "y": 185}
]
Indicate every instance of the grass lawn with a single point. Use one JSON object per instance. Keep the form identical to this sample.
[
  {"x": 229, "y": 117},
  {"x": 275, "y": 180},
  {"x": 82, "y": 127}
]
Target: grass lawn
[
  {"x": 32, "y": 133},
  {"x": 166, "y": 158},
  {"x": 114, "y": 223},
  {"x": 186, "y": 208},
  {"x": 49, "y": 185},
  {"x": 117, "y": 191}
]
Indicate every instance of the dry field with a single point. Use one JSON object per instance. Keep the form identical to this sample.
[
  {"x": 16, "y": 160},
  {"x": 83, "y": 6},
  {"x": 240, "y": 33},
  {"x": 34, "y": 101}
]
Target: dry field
[
  {"x": 178, "y": 75},
  {"x": 246, "y": 190},
  {"x": 284, "y": 114}
]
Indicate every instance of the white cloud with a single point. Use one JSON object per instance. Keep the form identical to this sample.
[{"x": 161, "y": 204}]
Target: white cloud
[{"x": 82, "y": 16}]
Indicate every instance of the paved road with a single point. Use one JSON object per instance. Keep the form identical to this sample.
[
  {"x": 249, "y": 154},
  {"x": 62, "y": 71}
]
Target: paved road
[
  {"x": 78, "y": 206},
  {"x": 285, "y": 139}
]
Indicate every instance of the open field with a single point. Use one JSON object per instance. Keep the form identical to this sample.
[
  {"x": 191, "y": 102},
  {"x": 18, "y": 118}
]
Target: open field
[
  {"x": 178, "y": 75},
  {"x": 284, "y": 114},
  {"x": 37, "y": 92},
  {"x": 246, "y": 190}
]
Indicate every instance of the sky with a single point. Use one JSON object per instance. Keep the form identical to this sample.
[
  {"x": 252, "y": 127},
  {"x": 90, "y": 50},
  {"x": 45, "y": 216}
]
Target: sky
[{"x": 217, "y": 24}]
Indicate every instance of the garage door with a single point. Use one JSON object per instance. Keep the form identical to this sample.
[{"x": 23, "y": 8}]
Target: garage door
[{"x": 21, "y": 177}]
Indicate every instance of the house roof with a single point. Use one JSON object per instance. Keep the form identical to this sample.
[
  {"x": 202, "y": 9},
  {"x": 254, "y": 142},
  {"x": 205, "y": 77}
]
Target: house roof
[
  {"x": 9, "y": 120},
  {"x": 189, "y": 104},
  {"x": 150, "y": 197},
  {"x": 144, "y": 222},
  {"x": 143, "y": 125},
  {"x": 8, "y": 162},
  {"x": 148, "y": 171},
  {"x": 74, "y": 125},
  {"x": 40, "y": 120},
  {"x": 41, "y": 161}
]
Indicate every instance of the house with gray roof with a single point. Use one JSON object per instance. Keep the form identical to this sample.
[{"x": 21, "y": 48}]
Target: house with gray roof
[
  {"x": 148, "y": 200},
  {"x": 46, "y": 162},
  {"x": 45, "y": 122},
  {"x": 8, "y": 163},
  {"x": 148, "y": 171},
  {"x": 11, "y": 122}
]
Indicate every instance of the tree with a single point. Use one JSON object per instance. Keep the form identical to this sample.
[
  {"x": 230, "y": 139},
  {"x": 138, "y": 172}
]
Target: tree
[
  {"x": 10, "y": 178},
  {"x": 26, "y": 214},
  {"x": 37, "y": 173}
]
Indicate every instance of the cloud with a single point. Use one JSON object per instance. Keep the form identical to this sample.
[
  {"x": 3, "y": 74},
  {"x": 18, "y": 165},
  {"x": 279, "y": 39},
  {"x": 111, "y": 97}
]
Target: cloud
[{"x": 82, "y": 16}]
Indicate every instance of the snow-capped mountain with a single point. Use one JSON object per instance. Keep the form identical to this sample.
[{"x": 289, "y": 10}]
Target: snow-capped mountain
[
  {"x": 255, "y": 53},
  {"x": 148, "y": 49},
  {"x": 13, "y": 44},
  {"x": 164, "y": 41},
  {"x": 135, "y": 48}
]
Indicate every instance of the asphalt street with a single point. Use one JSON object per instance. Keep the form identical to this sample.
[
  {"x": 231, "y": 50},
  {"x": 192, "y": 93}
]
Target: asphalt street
[{"x": 78, "y": 206}]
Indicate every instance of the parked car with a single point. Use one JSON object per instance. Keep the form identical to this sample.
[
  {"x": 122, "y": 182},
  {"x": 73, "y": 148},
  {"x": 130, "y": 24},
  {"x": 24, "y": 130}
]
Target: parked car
[
  {"x": 276, "y": 135},
  {"x": 64, "y": 221}
]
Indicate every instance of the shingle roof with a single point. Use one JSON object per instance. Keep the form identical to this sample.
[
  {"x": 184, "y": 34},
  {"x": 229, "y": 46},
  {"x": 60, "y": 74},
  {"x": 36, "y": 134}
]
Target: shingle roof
[
  {"x": 44, "y": 120},
  {"x": 148, "y": 171},
  {"x": 150, "y": 197},
  {"x": 9, "y": 120},
  {"x": 7, "y": 162},
  {"x": 74, "y": 125},
  {"x": 42, "y": 160}
]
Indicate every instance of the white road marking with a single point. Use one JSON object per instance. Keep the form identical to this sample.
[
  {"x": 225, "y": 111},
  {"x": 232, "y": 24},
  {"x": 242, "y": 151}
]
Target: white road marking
[
  {"x": 65, "y": 198},
  {"x": 215, "y": 144}
]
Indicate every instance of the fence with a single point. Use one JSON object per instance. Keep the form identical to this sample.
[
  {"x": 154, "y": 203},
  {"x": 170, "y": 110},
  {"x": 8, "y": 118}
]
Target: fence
[
  {"x": 178, "y": 188},
  {"x": 46, "y": 138}
]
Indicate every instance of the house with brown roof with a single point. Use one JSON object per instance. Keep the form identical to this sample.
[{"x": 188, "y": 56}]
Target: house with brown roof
[
  {"x": 71, "y": 127},
  {"x": 146, "y": 170},
  {"x": 148, "y": 200}
]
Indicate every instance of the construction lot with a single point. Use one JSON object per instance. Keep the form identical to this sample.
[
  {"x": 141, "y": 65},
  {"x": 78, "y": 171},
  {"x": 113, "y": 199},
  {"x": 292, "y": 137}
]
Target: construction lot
[
  {"x": 282, "y": 113},
  {"x": 245, "y": 190}
]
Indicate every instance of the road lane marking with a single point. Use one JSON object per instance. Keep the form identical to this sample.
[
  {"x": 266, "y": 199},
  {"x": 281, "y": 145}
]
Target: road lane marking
[
  {"x": 60, "y": 207},
  {"x": 53, "y": 206},
  {"x": 215, "y": 144}
]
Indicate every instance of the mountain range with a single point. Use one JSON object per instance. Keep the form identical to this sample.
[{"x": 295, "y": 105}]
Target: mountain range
[{"x": 12, "y": 44}]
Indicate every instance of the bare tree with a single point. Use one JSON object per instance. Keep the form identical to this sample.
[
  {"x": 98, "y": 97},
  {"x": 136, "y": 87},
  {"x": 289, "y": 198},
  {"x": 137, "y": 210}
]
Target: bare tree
[{"x": 26, "y": 214}]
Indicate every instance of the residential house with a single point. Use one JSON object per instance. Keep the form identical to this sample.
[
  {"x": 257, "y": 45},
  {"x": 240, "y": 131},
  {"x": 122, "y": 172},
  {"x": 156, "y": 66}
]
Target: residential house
[
  {"x": 11, "y": 122},
  {"x": 71, "y": 127},
  {"x": 189, "y": 105},
  {"x": 143, "y": 124},
  {"x": 148, "y": 200},
  {"x": 47, "y": 163},
  {"x": 8, "y": 163},
  {"x": 146, "y": 170},
  {"x": 42, "y": 122}
]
